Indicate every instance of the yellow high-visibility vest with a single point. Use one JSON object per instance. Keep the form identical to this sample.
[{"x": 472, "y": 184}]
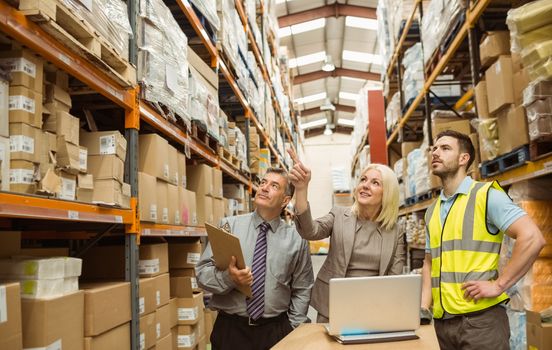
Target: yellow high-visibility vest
[{"x": 463, "y": 249}]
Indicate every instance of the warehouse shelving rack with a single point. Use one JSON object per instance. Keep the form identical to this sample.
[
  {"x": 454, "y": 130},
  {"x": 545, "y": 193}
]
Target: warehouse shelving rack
[
  {"x": 44, "y": 211},
  {"x": 531, "y": 169}
]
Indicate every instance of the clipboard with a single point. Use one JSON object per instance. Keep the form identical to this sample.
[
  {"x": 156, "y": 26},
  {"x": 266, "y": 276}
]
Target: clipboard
[{"x": 225, "y": 245}]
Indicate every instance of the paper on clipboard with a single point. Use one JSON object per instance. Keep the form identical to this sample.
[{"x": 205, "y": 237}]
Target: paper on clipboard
[{"x": 225, "y": 245}]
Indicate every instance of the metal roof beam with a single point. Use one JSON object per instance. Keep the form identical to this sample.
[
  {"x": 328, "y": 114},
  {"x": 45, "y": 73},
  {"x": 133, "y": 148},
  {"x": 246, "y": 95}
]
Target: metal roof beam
[
  {"x": 338, "y": 72},
  {"x": 316, "y": 110},
  {"x": 334, "y": 10}
]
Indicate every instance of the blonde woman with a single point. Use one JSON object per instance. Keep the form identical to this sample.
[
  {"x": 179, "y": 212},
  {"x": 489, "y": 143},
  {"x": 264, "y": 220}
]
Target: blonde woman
[{"x": 364, "y": 238}]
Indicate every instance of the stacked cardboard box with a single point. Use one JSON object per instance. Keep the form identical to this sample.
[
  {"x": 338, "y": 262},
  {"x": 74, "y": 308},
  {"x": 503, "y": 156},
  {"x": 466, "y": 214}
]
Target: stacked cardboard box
[
  {"x": 206, "y": 183},
  {"x": 186, "y": 297},
  {"x": 502, "y": 122},
  {"x": 161, "y": 182}
]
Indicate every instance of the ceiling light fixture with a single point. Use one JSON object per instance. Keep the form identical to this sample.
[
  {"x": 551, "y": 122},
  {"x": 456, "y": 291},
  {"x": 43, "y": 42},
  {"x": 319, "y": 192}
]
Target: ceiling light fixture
[
  {"x": 327, "y": 106},
  {"x": 328, "y": 131},
  {"x": 328, "y": 64}
]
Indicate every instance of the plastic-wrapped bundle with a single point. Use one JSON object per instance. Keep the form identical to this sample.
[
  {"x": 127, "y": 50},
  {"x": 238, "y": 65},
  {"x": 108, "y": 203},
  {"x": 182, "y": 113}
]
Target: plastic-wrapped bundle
[
  {"x": 204, "y": 105},
  {"x": 162, "y": 59},
  {"x": 518, "y": 329},
  {"x": 393, "y": 111},
  {"x": 385, "y": 40},
  {"x": 529, "y": 17},
  {"x": 340, "y": 179},
  {"x": 208, "y": 8},
  {"x": 413, "y": 79},
  {"x": 488, "y": 137},
  {"x": 421, "y": 173},
  {"x": 539, "y": 118},
  {"x": 398, "y": 168},
  {"x": 537, "y": 90},
  {"x": 440, "y": 15},
  {"x": 413, "y": 158},
  {"x": 109, "y": 18}
]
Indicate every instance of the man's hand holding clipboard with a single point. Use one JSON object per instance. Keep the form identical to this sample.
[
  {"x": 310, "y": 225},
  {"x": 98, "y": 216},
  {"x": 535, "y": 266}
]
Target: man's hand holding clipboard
[{"x": 228, "y": 255}]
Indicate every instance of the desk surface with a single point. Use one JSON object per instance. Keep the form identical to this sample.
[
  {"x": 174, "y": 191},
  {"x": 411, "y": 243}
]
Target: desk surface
[{"x": 313, "y": 336}]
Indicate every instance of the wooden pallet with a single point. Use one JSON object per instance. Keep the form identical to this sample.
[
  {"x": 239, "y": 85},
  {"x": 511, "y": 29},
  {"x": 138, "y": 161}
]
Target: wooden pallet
[
  {"x": 67, "y": 26},
  {"x": 200, "y": 134},
  {"x": 229, "y": 158},
  {"x": 505, "y": 162},
  {"x": 422, "y": 197},
  {"x": 540, "y": 148}
]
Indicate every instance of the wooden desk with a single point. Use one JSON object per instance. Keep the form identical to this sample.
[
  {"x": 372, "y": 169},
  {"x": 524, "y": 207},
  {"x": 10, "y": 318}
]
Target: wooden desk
[{"x": 313, "y": 336}]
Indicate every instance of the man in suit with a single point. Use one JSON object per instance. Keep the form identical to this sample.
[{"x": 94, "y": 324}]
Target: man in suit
[{"x": 279, "y": 271}]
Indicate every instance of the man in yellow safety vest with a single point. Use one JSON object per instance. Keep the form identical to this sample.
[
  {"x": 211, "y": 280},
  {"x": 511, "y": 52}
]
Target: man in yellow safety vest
[{"x": 465, "y": 227}]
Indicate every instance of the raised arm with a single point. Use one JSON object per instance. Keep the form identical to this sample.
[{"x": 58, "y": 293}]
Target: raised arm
[{"x": 300, "y": 177}]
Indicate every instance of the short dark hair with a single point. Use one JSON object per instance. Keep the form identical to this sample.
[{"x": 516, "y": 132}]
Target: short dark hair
[
  {"x": 464, "y": 141},
  {"x": 290, "y": 189}
]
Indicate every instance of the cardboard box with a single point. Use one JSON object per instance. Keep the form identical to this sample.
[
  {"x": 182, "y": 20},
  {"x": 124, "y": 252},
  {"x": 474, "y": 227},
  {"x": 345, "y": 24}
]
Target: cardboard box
[
  {"x": 481, "y": 100},
  {"x": 146, "y": 296},
  {"x": 83, "y": 159},
  {"x": 202, "y": 344},
  {"x": 108, "y": 191},
  {"x": 184, "y": 255},
  {"x": 22, "y": 176},
  {"x": 201, "y": 324},
  {"x": 106, "y": 306},
  {"x": 63, "y": 124},
  {"x": 204, "y": 210},
  {"x": 10, "y": 243},
  {"x": 210, "y": 318},
  {"x": 185, "y": 337},
  {"x": 187, "y": 205},
  {"x": 539, "y": 335},
  {"x": 227, "y": 209},
  {"x": 68, "y": 156},
  {"x": 165, "y": 343},
  {"x": 217, "y": 183},
  {"x": 499, "y": 77},
  {"x": 218, "y": 210},
  {"x": 493, "y": 45},
  {"x": 147, "y": 331},
  {"x": 175, "y": 218},
  {"x": 24, "y": 140},
  {"x": 233, "y": 191},
  {"x": 189, "y": 309},
  {"x": 181, "y": 159},
  {"x": 462, "y": 125},
  {"x": 182, "y": 272},
  {"x": 512, "y": 129},
  {"x": 4, "y": 107},
  {"x": 173, "y": 309},
  {"x": 104, "y": 143},
  {"x": 55, "y": 93},
  {"x": 85, "y": 188},
  {"x": 25, "y": 106},
  {"x": 147, "y": 197},
  {"x": 26, "y": 69},
  {"x": 162, "y": 289},
  {"x": 47, "y": 321},
  {"x": 11, "y": 336},
  {"x": 127, "y": 194},
  {"x": 173, "y": 165},
  {"x": 199, "y": 179},
  {"x": 154, "y": 259},
  {"x": 68, "y": 186},
  {"x": 162, "y": 189},
  {"x": 107, "y": 167},
  {"x": 5, "y": 156},
  {"x": 521, "y": 81},
  {"x": 154, "y": 156},
  {"x": 206, "y": 72},
  {"x": 59, "y": 78},
  {"x": 183, "y": 287},
  {"x": 163, "y": 321},
  {"x": 116, "y": 338},
  {"x": 50, "y": 184}
]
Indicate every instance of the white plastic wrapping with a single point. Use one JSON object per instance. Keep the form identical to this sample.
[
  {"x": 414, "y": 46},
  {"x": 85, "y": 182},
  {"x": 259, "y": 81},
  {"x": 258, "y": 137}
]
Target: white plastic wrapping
[
  {"x": 438, "y": 18},
  {"x": 413, "y": 79},
  {"x": 109, "y": 18},
  {"x": 488, "y": 136},
  {"x": 393, "y": 111},
  {"x": 208, "y": 8},
  {"x": 162, "y": 60}
]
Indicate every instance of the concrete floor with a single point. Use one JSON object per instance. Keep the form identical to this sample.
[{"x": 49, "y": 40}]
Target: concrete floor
[{"x": 317, "y": 261}]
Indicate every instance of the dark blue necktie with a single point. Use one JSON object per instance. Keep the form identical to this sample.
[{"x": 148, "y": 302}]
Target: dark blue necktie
[{"x": 255, "y": 304}]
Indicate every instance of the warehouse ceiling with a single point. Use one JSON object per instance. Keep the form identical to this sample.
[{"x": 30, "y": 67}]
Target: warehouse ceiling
[{"x": 346, "y": 30}]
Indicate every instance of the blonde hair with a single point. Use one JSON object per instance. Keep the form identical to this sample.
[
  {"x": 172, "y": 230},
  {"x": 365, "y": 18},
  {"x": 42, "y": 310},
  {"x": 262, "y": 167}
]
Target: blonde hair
[{"x": 389, "y": 213}]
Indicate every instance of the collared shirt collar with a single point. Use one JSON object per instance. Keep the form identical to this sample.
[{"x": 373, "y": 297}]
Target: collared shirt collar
[
  {"x": 464, "y": 188},
  {"x": 258, "y": 220}
]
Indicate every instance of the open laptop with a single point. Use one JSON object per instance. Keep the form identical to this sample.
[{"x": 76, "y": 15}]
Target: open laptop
[{"x": 375, "y": 309}]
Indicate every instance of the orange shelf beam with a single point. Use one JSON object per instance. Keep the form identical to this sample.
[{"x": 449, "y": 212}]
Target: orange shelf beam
[
  {"x": 186, "y": 7},
  {"x": 14, "y": 205},
  {"x": 16, "y": 25},
  {"x": 150, "y": 229},
  {"x": 402, "y": 39}
]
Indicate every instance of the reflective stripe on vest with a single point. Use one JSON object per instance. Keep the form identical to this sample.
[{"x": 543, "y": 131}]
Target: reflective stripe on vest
[{"x": 465, "y": 251}]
